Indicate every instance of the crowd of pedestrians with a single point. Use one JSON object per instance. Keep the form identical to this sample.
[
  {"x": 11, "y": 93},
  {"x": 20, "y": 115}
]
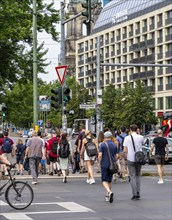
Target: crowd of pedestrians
[{"x": 55, "y": 154}]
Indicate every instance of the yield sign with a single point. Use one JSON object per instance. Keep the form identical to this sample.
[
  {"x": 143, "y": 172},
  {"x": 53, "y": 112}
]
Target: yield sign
[{"x": 61, "y": 72}]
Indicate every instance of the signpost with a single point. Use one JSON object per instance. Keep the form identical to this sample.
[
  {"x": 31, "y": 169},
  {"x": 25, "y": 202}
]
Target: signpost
[{"x": 87, "y": 106}]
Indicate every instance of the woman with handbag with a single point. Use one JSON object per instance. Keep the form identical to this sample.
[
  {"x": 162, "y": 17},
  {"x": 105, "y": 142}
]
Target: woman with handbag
[{"x": 108, "y": 154}]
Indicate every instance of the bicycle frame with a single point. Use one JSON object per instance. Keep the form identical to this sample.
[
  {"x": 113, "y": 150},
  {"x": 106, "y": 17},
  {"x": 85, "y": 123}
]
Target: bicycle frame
[{"x": 12, "y": 180}]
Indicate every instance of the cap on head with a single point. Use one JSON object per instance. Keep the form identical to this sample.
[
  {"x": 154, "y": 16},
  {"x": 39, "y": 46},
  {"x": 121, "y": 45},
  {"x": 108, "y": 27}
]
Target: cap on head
[{"x": 107, "y": 134}]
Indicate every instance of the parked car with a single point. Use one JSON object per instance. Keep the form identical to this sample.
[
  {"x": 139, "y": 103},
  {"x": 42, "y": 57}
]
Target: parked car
[
  {"x": 147, "y": 146},
  {"x": 151, "y": 134}
]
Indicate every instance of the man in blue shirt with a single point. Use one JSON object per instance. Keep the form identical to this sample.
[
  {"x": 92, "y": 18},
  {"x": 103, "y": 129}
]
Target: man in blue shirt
[{"x": 106, "y": 175}]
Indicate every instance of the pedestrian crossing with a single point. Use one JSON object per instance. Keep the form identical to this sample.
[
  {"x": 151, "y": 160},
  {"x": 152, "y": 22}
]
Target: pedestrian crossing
[{"x": 65, "y": 208}]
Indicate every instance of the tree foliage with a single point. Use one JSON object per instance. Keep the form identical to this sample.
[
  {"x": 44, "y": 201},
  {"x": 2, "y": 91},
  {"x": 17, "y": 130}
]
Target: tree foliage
[
  {"x": 128, "y": 105},
  {"x": 16, "y": 39}
]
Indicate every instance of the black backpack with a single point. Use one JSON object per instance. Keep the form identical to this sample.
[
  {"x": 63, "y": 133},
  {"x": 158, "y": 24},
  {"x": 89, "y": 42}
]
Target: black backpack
[
  {"x": 64, "y": 150},
  {"x": 7, "y": 146},
  {"x": 90, "y": 147},
  {"x": 54, "y": 146}
]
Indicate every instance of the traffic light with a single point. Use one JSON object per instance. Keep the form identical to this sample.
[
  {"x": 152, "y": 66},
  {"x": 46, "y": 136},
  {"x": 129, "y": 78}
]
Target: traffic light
[
  {"x": 56, "y": 98},
  {"x": 87, "y": 14},
  {"x": 67, "y": 95},
  {"x": 4, "y": 111}
]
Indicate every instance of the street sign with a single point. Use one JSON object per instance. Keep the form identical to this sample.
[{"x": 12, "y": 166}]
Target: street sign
[
  {"x": 87, "y": 106},
  {"x": 61, "y": 72}
]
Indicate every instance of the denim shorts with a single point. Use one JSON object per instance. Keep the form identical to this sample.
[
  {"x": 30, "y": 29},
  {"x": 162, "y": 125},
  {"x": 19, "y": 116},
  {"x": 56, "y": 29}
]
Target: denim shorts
[{"x": 160, "y": 159}]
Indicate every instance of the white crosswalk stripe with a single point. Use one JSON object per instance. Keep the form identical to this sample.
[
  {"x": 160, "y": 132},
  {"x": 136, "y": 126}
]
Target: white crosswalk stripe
[{"x": 70, "y": 207}]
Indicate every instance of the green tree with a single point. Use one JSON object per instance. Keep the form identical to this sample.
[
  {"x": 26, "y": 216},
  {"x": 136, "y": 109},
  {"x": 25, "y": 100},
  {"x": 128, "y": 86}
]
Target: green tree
[
  {"x": 16, "y": 39},
  {"x": 128, "y": 105}
]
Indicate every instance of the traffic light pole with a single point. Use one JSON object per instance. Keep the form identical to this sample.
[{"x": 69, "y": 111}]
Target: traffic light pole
[
  {"x": 63, "y": 60},
  {"x": 62, "y": 63},
  {"x": 35, "y": 87}
]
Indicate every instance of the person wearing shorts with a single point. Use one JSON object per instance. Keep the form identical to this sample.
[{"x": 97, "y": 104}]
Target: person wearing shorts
[
  {"x": 106, "y": 175},
  {"x": 161, "y": 153}
]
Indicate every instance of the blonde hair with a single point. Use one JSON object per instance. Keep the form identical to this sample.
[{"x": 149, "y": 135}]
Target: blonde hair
[{"x": 20, "y": 141}]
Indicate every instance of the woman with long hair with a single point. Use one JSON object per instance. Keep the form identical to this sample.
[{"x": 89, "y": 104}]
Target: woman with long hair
[{"x": 64, "y": 152}]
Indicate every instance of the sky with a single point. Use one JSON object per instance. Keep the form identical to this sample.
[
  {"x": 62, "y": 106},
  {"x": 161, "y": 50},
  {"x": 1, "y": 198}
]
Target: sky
[{"x": 53, "y": 50}]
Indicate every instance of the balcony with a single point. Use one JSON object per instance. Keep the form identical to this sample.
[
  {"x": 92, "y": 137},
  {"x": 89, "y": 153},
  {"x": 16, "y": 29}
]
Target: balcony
[
  {"x": 151, "y": 26},
  {"x": 150, "y": 43},
  {"x": 168, "y": 21},
  {"x": 118, "y": 79},
  {"x": 80, "y": 50},
  {"x": 81, "y": 62},
  {"x": 125, "y": 50},
  {"x": 151, "y": 73},
  {"x": 81, "y": 74},
  {"x": 143, "y": 75},
  {"x": 89, "y": 85},
  {"x": 136, "y": 47},
  {"x": 160, "y": 56},
  {"x": 107, "y": 81},
  {"x": 137, "y": 31},
  {"x": 160, "y": 71},
  {"x": 124, "y": 78},
  {"x": 159, "y": 40},
  {"x": 144, "y": 29},
  {"x": 107, "y": 55},
  {"x": 113, "y": 80},
  {"x": 159, "y": 24},
  {"x": 160, "y": 87},
  {"x": 169, "y": 70},
  {"x": 142, "y": 45},
  {"x": 151, "y": 89},
  {"x": 118, "y": 51},
  {"x": 94, "y": 70},
  {"x": 112, "y": 40},
  {"x": 91, "y": 47},
  {"x": 168, "y": 54},
  {"x": 151, "y": 58},
  {"x": 168, "y": 37},
  {"x": 112, "y": 53},
  {"x": 169, "y": 86},
  {"x": 107, "y": 68},
  {"x": 130, "y": 33},
  {"x": 118, "y": 38},
  {"x": 124, "y": 36}
]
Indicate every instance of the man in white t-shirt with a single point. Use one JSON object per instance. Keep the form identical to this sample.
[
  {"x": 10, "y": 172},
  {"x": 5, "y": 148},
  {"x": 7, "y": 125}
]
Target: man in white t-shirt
[{"x": 134, "y": 169}]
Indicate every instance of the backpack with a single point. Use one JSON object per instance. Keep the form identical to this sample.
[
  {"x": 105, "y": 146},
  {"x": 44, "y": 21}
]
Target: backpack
[
  {"x": 121, "y": 145},
  {"x": 64, "y": 150},
  {"x": 90, "y": 147},
  {"x": 54, "y": 146},
  {"x": 7, "y": 146}
]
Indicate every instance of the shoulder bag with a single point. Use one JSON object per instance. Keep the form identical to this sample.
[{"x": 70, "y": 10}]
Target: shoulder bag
[
  {"x": 113, "y": 165},
  {"x": 139, "y": 155}
]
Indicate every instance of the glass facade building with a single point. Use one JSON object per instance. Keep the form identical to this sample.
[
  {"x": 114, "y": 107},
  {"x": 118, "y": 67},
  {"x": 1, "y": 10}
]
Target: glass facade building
[{"x": 131, "y": 31}]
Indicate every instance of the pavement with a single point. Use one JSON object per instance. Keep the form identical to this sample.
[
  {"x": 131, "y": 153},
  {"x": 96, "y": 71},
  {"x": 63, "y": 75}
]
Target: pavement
[{"x": 147, "y": 170}]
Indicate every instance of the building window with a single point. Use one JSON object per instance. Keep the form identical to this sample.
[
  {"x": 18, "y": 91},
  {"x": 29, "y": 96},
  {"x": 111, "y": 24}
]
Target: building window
[
  {"x": 169, "y": 102},
  {"x": 160, "y": 103},
  {"x": 169, "y": 14}
]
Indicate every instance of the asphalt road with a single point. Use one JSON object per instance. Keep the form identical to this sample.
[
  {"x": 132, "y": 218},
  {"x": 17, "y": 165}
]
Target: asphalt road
[{"x": 78, "y": 200}]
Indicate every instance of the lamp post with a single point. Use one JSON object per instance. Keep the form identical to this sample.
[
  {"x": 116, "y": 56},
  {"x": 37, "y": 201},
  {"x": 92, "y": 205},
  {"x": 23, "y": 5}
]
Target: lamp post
[{"x": 35, "y": 87}]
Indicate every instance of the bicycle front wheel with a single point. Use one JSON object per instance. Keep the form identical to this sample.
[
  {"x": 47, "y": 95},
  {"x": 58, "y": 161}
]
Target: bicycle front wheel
[{"x": 20, "y": 195}]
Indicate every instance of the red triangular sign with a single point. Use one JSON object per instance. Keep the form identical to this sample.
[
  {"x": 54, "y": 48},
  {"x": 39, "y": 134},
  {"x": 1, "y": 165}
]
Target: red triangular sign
[{"x": 61, "y": 72}]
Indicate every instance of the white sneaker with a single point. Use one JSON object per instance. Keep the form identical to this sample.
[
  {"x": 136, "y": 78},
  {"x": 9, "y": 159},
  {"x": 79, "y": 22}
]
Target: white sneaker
[
  {"x": 160, "y": 182},
  {"x": 92, "y": 181},
  {"x": 87, "y": 180},
  {"x": 34, "y": 183},
  {"x": 106, "y": 198},
  {"x": 6, "y": 173}
]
